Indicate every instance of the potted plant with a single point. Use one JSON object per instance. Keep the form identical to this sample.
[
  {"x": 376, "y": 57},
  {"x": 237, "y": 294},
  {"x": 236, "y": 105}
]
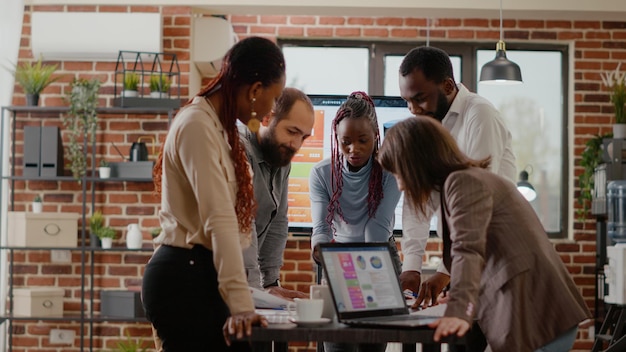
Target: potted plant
[
  {"x": 159, "y": 86},
  {"x": 155, "y": 232},
  {"x": 37, "y": 205},
  {"x": 96, "y": 222},
  {"x": 105, "y": 169},
  {"x": 106, "y": 235},
  {"x": 33, "y": 77},
  {"x": 590, "y": 158},
  {"x": 616, "y": 82},
  {"x": 131, "y": 85},
  {"x": 131, "y": 345},
  {"x": 81, "y": 122}
]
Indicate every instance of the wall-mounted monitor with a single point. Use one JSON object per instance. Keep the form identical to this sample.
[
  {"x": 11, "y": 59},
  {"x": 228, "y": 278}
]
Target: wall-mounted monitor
[{"x": 317, "y": 147}]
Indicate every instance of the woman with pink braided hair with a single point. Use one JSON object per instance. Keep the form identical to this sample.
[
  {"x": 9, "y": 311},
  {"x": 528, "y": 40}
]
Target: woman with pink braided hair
[{"x": 352, "y": 198}]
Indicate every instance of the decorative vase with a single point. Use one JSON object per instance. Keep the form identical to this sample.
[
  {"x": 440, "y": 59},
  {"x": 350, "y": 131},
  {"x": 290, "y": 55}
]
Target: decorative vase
[
  {"x": 107, "y": 242},
  {"x": 37, "y": 207},
  {"x": 134, "y": 238},
  {"x": 32, "y": 99},
  {"x": 130, "y": 93},
  {"x": 619, "y": 130},
  {"x": 104, "y": 172},
  {"x": 158, "y": 95}
]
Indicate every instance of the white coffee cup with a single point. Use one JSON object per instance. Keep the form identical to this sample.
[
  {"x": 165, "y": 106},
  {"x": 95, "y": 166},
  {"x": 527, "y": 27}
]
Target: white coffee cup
[
  {"x": 323, "y": 292},
  {"x": 307, "y": 309}
]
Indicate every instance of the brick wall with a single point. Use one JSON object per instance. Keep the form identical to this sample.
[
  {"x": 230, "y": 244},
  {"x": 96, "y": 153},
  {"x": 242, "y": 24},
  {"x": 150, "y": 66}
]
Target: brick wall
[{"x": 596, "y": 46}]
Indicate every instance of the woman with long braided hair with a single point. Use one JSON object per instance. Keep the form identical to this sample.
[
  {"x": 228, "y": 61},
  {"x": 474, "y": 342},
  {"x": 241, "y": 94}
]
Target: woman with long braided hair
[
  {"x": 352, "y": 198},
  {"x": 195, "y": 291}
]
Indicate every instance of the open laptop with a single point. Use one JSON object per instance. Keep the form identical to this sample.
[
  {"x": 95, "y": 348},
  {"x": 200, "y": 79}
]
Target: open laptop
[{"x": 365, "y": 287}]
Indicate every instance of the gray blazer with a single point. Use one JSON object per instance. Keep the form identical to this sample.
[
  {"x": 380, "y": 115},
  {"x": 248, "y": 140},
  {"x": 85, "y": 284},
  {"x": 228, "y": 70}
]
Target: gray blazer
[{"x": 505, "y": 271}]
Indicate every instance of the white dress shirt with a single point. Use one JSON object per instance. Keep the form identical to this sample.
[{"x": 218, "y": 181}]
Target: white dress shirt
[{"x": 479, "y": 131}]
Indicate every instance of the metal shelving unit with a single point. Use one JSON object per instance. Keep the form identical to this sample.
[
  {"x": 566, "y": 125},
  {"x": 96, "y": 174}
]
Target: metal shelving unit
[{"x": 87, "y": 317}]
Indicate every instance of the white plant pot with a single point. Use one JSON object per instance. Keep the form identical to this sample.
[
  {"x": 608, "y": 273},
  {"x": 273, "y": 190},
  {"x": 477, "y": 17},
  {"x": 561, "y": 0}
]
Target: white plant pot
[
  {"x": 619, "y": 130},
  {"x": 37, "y": 207},
  {"x": 104, "y": 172},
  {"x": 107, "y": 243},
  {"x": 158, "y": 95},
  {"x": 130, "y": 93}
]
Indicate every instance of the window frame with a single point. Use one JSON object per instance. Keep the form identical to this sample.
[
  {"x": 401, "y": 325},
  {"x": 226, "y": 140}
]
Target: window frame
[{"x": 468, "y": 53}]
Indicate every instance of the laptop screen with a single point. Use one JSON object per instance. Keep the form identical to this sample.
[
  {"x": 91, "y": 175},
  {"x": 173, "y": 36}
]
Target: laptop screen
[{"x": 362, "y": 277}]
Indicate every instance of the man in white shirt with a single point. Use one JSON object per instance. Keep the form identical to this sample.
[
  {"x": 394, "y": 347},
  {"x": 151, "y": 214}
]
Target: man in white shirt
[{"x": 427, "y": 84}]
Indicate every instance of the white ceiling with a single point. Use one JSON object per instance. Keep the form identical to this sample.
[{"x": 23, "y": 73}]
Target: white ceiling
[{"x": 611, "y": 10}]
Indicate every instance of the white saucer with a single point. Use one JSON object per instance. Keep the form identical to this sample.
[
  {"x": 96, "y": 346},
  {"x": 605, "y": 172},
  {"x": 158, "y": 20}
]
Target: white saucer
[{"x": 310, "y": 323}]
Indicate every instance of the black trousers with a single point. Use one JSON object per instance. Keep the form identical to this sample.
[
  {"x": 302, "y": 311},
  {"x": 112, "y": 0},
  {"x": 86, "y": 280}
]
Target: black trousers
[{"x": 182, "y": 301}]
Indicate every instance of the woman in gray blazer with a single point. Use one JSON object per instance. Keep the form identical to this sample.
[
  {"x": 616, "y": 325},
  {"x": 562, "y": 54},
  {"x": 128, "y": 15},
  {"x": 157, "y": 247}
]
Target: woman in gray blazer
[{"x": 504, "y": 272}]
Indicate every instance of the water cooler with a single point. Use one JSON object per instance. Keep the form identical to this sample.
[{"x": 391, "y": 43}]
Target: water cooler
[
  {"x": 614, "y": 270},
  {"x": 609, "y": 207}
]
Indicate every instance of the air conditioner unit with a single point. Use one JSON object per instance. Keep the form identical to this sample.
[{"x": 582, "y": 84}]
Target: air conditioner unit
[
  {"x": 93, "y": 36},
  {"x": 212, "y": 38}
]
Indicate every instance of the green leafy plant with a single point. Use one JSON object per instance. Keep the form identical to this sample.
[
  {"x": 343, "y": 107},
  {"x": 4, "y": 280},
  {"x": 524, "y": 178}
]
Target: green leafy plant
[
  {"x": 96, "y": 222},
  {"x": 81, "y": 123},
  {"x": 159, "y": 83},
  {"x": 616, "y": 82},
  {"x": 104, "y": 163},
  {"x": 106, "y": 232},
  {"x": 131, "y": 81},
  {"x": 155, "y": 232},
  {"x": 590, "y": 158},
  {"x": 131, "y": 345},
  {"x": 37, "y": 199},
  {"x": 34, "y": 76}
]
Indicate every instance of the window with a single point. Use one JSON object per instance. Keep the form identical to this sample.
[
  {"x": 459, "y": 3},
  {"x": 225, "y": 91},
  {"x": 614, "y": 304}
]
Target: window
[
  {"x": 327, "y": 70},
  {"x": 535, "y": 112}
]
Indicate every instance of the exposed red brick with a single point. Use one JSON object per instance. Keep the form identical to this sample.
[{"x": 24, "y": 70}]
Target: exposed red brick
[
  {"x": 262, "y": 30},
  {"x": 238, "y": 19},
  {"x": 415, "y": 22},
  {"x": 543, "y": 35},
  {"x": 597, "y": 35},
  {"x": 48, "y": 8},
  {"x": 182, "y": 21},
  {"x": 347, "y": 32},
  {"x": 613, "y": 25},
  {"x": 302, "y": 20},
  {"x": 559, "y": 24},
  {"x": 333, "y": 21},
  {"x": 475, "y": 22},
  {"x": 109, "y": 8},
  {"x": 376, "y": 32},
  {"x": 176, "y": 10},
  {"x": 363, "y": 21},
  {"x": 290, "y": 31},
  {"x": 319, "y": 32},
  {"x": 81, "y": 8},
  {"x": 403, "y": 33},
  {"x": 176, "y": 32},
  {"x": 460, "y": 33},
  {"x": 144, "y": 9},
  {"x": 273, "y": 19},
  {"x": 449, "y": 22},
  {"x": 389, "y": 21}
]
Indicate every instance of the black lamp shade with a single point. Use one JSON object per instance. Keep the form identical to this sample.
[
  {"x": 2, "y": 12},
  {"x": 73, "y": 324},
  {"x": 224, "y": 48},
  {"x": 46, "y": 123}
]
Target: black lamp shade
[
  {"x": 501, "y": 70},
  {"x": 525, "y": 188}
]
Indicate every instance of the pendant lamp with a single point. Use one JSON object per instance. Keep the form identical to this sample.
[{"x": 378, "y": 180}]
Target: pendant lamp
[
  {"x": 501, "y": 70},
  {"x": 525, "y": 187}
]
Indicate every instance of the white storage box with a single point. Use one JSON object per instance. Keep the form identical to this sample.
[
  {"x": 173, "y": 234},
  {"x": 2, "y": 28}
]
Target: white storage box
[
  {"x": 38, "y": 302},
  {"x": 43, "y": 229}
]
